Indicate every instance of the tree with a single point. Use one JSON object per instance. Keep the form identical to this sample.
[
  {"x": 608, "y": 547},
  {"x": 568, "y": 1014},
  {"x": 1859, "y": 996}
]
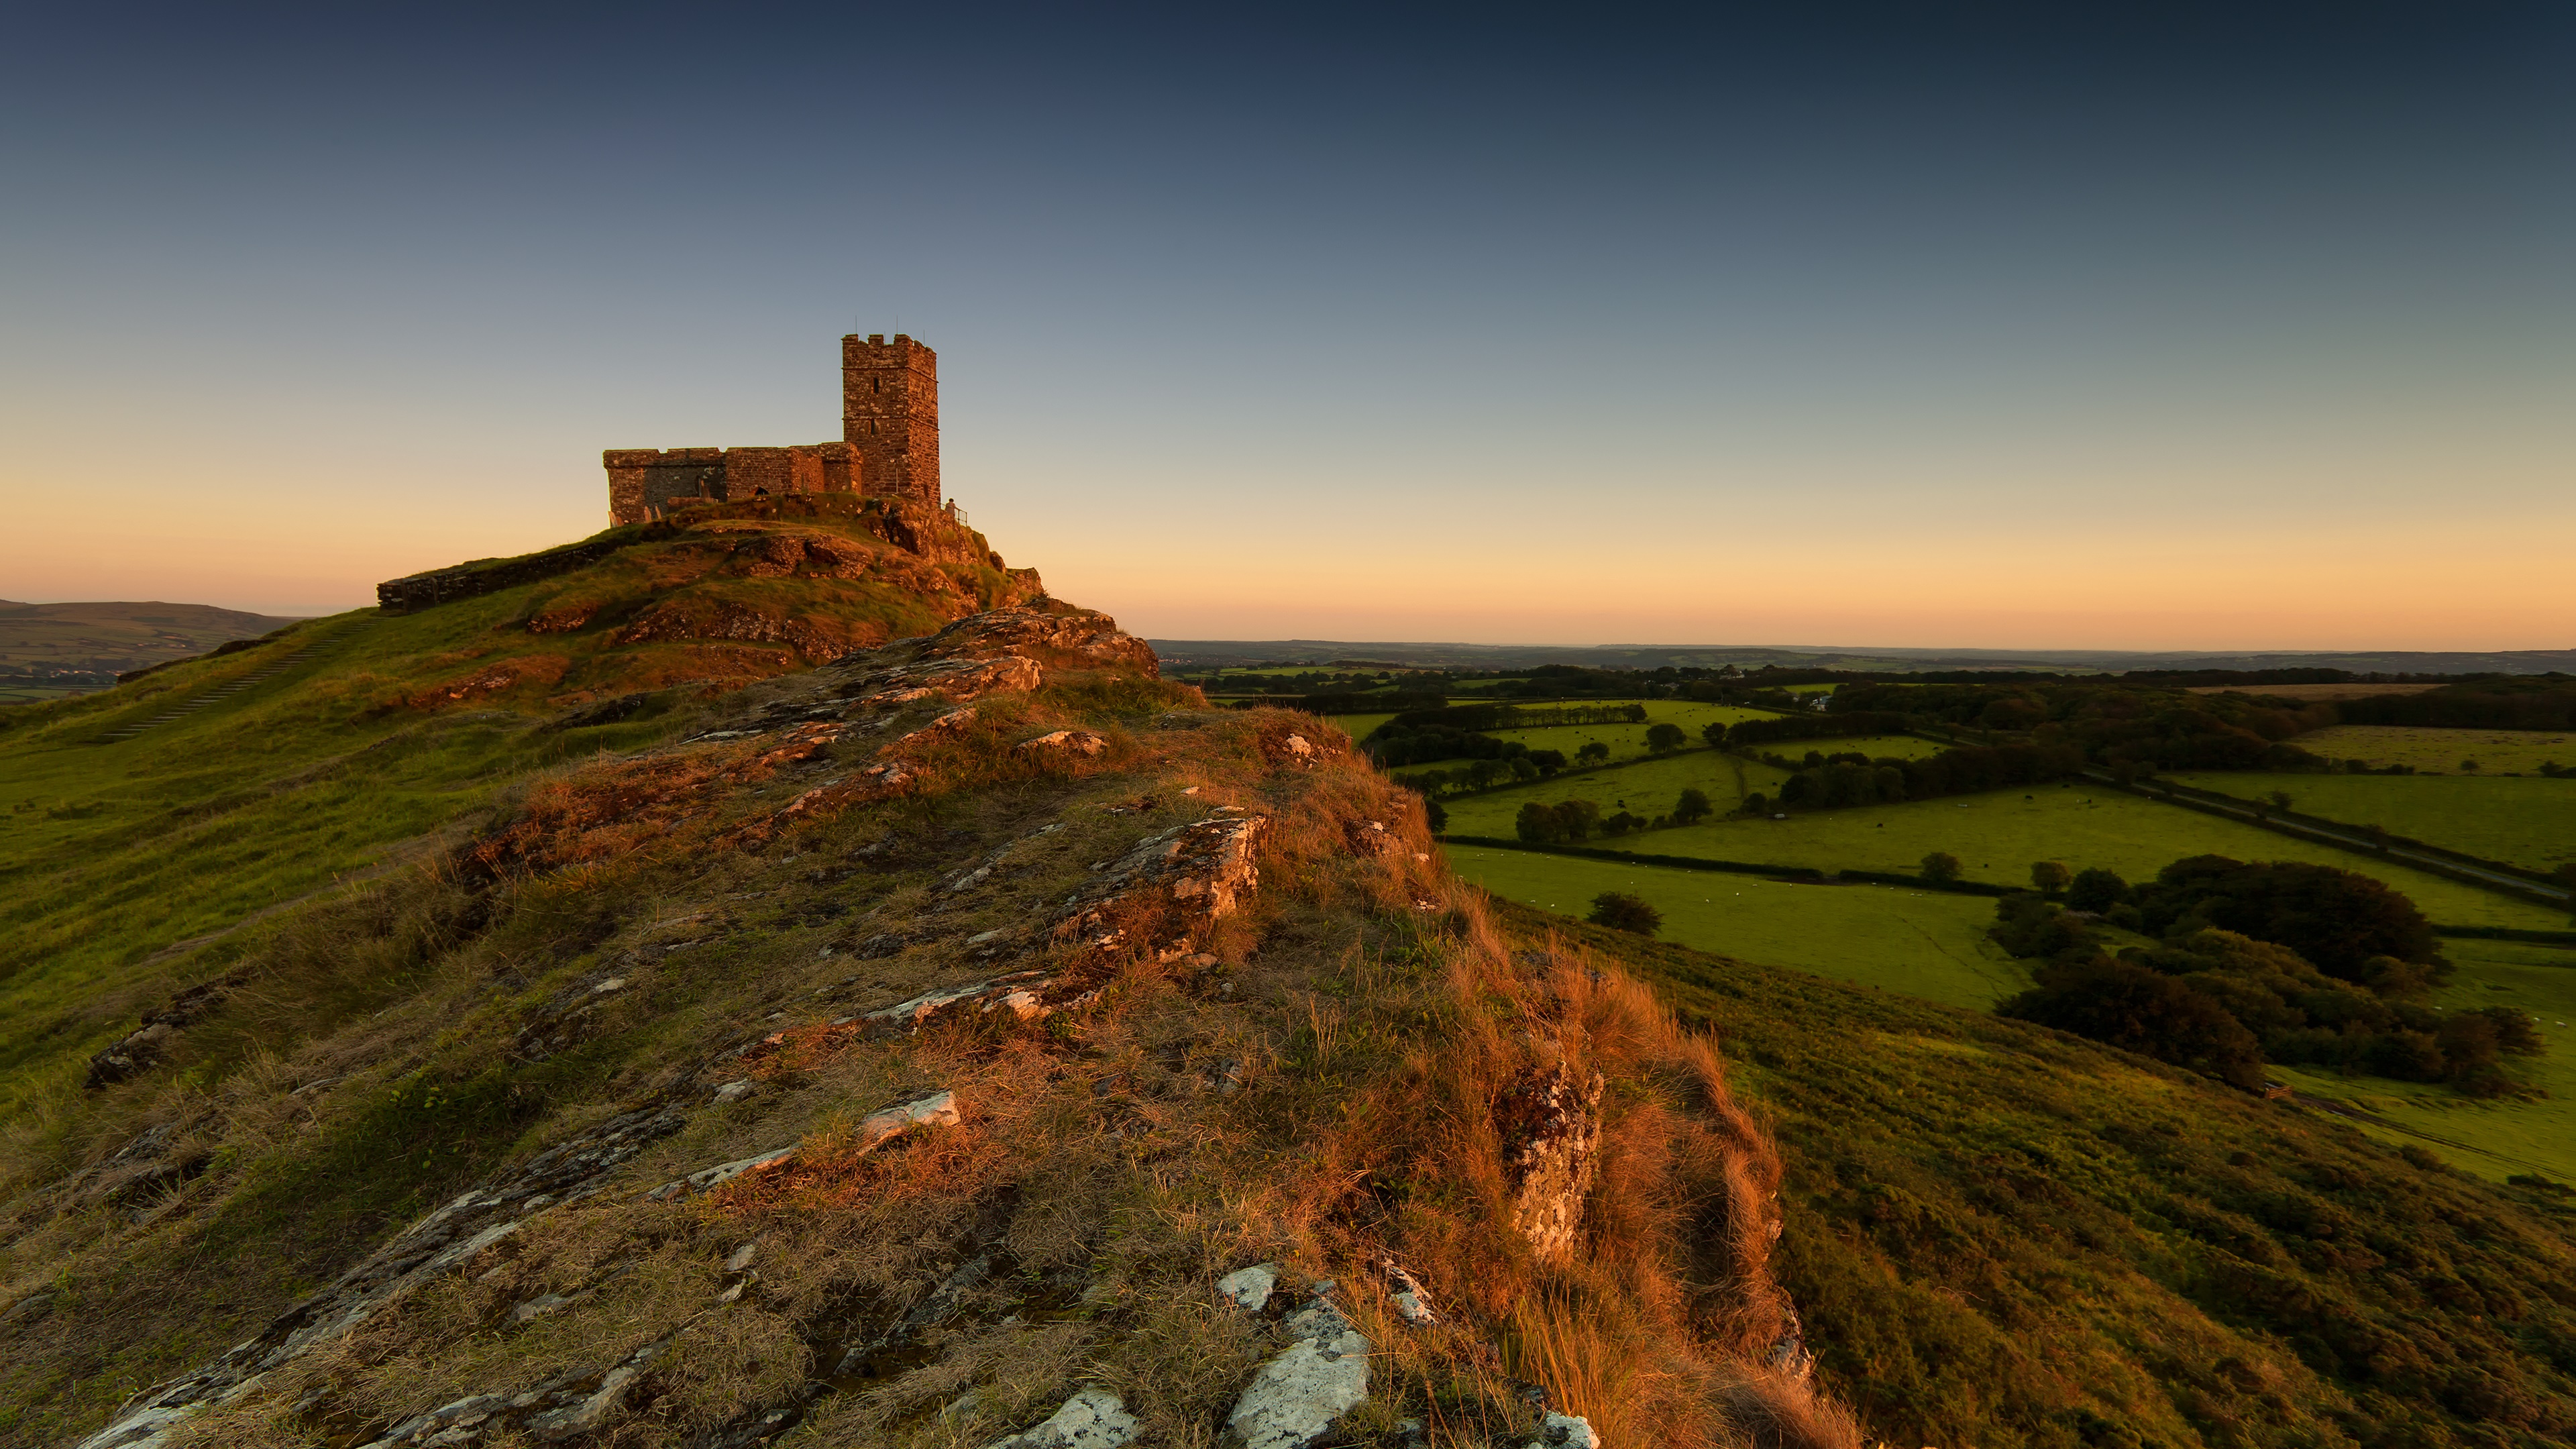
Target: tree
[
  {"x": 1549, "y": 762},
  {"x": 1592, "y": 754},
  {"x": 1715, "y": 733},
  {"x": 1757, "y": 803},
  {"x": 2143, "y": 1010},
  {"x": 2051, "y": 876},
  {"x": 1693, "y": 807},
  {"x": 1434, "y": 815},
  {"x": 2468, "y": 767},
  {"x": 1622, "y": 823},
  {"x": 1623, "y": 912},
  {"x": 1538, "y": 824},
  {"x": 2336, "y": 919},
  {"x": 1578, "y": 818},
  {"x": 2280, "y": 799},
  {"x": 2096, "y": 890},
  {"x": 1941, "y": 867},
  {"x": 1663, "y": 739}
]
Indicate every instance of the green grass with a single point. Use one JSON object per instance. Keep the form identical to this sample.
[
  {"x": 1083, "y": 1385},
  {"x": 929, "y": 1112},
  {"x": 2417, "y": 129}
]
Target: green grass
[
  {"x": 2529, "y": 821},
  {"x": 1997, "y": 836},
  {"x": 111, "y": 852},
  {"x": 2494, "y": 1139},
  {"x": 1647, "y": 787},
  {"x": 2496, "y": 751},
  {"x": 1924, "y": 943},
  {"x": 1877, "y": 747},
  {"x": 1628, "y": 741},
  {"x": 1933, "y": 946},
  {"x": 1357, "y": 726},
  {"x": 2007, "y": 1237}
]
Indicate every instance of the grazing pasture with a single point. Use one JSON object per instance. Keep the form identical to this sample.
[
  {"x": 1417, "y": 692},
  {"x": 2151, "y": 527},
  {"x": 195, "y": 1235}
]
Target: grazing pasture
[
  {"x": 1923, "y": 943},
  {"x": 1628, "y": 741},
  {"x": 2497, "y": 752},
  {"x": 1648, "y": 788},
  {"x": 1877, "y": 747},
  {"x": 1357, "y": 726},
  {"x": 2529, "y": 822},
  {"x": 1996, "y": 837},
  {"x": 2497, "y": 1138}
]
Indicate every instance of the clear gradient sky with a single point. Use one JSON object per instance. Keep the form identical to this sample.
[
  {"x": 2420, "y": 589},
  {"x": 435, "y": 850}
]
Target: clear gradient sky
[{"x": 1923, "y": 324}]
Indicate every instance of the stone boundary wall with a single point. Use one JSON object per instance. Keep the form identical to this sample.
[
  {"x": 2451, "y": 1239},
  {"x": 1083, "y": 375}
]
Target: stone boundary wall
[{"x": 484, "y": 576}]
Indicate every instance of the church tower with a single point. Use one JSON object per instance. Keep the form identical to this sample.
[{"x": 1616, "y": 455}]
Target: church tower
[{"x": 890, "y": 413}]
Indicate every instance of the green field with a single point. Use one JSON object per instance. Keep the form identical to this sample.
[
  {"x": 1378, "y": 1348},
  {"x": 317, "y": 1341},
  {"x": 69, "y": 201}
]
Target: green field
[
  {"x": 1997, "y": 836},
  {"x": 2496, "y": 751},
  {"x": 1648, "y": 787},
  {"x": 1628, "y": 741},
  {"x": 1934, "y": 946},
  {"x": 1923, "y": 943},
  {"x": 2493, "y": 1139},
  {"x": 1357, "y": 726},
  {"x": 1877, "y": 747},
  {"x": 2529, "y": 821}
]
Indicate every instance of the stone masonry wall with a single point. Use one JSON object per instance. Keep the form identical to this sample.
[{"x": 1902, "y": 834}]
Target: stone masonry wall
[
  {"x": 890, "y": 413},
  {"x": 643, "y": 482}
]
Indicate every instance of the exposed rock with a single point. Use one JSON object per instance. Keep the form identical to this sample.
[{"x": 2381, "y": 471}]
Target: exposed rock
[
  {"x": 437, "y": 1244},
  {"x": 1248, "y": 1288},
  {"x": 138, "y": 1050},
  {"x": 1550, "y": 1127},
  {"x": 1293, "y": 1401},
  {"x": 1160, "y": 894},
  {"x": 1412, "y": 1300},
  {"x": 939, "y": 1109},
  {"x": 1565, "y": 1431},
  {"x": 1062, "y": 744},
  {"x": 1091, "y": 1419}
]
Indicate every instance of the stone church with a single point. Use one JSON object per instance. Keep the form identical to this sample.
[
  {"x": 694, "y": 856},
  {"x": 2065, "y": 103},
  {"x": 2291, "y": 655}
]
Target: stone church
[{"x": 889, "y": 445}]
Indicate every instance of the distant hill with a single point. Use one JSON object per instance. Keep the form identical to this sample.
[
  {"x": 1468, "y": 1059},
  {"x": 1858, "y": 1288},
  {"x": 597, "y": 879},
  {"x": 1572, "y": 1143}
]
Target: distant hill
[
  {"x": 1226, "y": 653},
  {"x": 48, "y": 651}
]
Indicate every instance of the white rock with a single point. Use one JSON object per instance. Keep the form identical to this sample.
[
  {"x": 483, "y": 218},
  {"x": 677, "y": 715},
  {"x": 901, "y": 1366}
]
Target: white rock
[
  {"x": 1293, "y": 1401},
  {"x": 1248, "y": 1288},
  {"x": 742, "y": 1257},
  {"x": 733, "y": 1091},
  {"x": 1565, "y": 1431},
  {"x": 1092, "y": 1419}
]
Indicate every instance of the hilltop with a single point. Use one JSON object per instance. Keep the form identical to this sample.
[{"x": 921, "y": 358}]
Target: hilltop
[
  {"x": 774, "y": 975},
  {"x": 51, "y": 650}
]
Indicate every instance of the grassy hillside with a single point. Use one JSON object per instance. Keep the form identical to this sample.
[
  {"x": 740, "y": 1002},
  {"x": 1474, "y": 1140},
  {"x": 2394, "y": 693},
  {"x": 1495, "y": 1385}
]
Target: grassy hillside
[
  {"x": 49, "y": 651},
  {"x": 363, "y": 736},
  {"x": 1041, "y": 996},
  {"x": 2004, "y": 1237}
]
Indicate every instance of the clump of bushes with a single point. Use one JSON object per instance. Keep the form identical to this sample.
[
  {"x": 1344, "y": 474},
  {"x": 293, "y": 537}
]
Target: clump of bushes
[
  {"x": 1620, "y": 911},
  {"x": 2281, "y": 962}
]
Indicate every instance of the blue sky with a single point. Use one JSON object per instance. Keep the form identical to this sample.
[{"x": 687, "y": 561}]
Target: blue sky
[{"x": 1937, "y": 325}]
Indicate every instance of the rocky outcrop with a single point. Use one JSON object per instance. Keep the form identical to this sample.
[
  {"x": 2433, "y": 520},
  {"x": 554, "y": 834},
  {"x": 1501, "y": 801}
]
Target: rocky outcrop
[
  {"x": 138, "y": 1050},
  {"x": 1321, "y": 1375},
  {"x": 1550, "y": 1124},
  {"x": 1092, "y": 1419}
]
